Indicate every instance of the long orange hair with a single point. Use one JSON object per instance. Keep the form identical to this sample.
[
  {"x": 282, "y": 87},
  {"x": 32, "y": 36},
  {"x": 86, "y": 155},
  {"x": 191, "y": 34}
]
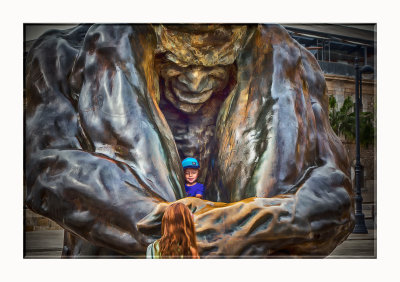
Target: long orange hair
[{"x": 178, "y": 233}]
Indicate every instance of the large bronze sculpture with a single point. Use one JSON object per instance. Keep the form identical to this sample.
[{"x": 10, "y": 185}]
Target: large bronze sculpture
[{"x": 112, "y": 110}]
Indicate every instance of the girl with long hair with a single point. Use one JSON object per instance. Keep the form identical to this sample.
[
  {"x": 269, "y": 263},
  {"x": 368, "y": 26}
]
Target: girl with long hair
[{"x": 178, "y": 236}]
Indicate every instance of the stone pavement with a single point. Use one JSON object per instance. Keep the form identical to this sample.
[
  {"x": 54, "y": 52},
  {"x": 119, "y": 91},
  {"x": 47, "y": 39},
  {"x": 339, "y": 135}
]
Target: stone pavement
[
  {"x": 48, "y": 244},
  {"x": 43, "y": 244},
  {"x": 357, "y": 246}
]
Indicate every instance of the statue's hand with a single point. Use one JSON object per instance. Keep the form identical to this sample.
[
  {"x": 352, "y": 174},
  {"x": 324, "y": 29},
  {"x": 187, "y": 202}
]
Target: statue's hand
[{"x": 311, "y": 222}]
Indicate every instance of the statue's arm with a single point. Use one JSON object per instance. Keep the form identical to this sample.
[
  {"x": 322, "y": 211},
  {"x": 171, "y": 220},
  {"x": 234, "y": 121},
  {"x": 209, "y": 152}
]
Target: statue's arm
[
  {"x": 309, "y": 223},
  {"x": 90, "y": 195},
  {"x": 93, "y": 195}
]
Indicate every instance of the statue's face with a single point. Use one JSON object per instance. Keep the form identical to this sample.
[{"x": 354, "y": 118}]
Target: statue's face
[{"x": 188, "y": 88}]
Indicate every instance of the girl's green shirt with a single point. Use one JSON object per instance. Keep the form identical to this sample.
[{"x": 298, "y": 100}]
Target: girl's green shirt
[{"x": 153, "y": 251}]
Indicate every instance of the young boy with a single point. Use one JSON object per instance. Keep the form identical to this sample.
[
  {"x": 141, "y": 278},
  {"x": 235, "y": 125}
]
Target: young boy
[{"x": 191, "y": 168}]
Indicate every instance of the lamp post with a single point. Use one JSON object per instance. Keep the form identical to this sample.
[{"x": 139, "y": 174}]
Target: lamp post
[{"x": 360, "y": 227}]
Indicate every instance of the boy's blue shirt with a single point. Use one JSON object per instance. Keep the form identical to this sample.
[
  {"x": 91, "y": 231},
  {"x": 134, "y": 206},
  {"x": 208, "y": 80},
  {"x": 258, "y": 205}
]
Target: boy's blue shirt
[{"x": 192, "y": 191}]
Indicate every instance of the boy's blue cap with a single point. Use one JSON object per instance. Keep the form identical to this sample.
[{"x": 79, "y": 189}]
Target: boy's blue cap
[{"x": 190, "y": 163}]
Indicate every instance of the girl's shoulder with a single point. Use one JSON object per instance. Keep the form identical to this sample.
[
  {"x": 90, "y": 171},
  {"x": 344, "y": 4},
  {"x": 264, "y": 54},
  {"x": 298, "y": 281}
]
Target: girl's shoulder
[{"x": 153, "y": 250}]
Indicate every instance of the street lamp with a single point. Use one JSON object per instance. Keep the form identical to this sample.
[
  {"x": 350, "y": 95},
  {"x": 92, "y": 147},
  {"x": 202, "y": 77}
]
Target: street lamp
[{"x": 360, "y": 227}]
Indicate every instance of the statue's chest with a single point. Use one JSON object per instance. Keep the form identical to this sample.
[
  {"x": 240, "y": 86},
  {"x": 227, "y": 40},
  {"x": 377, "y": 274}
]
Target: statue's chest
[{"x": 194, "y": 134}]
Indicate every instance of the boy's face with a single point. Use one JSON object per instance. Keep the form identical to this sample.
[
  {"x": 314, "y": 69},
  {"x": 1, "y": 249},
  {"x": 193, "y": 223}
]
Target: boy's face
[{"x": 191, "y": 175}]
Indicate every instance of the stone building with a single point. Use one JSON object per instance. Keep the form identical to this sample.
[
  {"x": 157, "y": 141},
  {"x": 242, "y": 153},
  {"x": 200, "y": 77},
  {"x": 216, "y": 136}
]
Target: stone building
[{"x": 336, "y": 47}]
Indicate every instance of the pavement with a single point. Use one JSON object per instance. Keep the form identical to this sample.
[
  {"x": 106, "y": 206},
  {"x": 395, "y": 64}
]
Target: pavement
[
  {"x": 43, "y": 244},
  {"x": 357, "y": 246},
  {"x": 48, "y": 244}
]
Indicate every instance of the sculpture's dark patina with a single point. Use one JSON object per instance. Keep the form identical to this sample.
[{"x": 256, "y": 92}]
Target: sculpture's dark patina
[{"x": 112, "y": 109}]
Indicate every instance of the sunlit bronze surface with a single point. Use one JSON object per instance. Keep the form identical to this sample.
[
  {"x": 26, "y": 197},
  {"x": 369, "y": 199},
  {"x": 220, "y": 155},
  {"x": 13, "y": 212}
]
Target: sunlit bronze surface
[{"x": 112, "y": 110}]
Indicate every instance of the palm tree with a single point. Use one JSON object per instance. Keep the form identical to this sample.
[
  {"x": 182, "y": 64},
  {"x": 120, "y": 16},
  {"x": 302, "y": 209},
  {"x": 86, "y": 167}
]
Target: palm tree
[{"x": 343, "y": 121}]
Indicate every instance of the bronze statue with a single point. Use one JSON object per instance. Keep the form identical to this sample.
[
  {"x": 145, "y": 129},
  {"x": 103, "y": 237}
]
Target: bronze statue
[{"x": 112, "y": 110}]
